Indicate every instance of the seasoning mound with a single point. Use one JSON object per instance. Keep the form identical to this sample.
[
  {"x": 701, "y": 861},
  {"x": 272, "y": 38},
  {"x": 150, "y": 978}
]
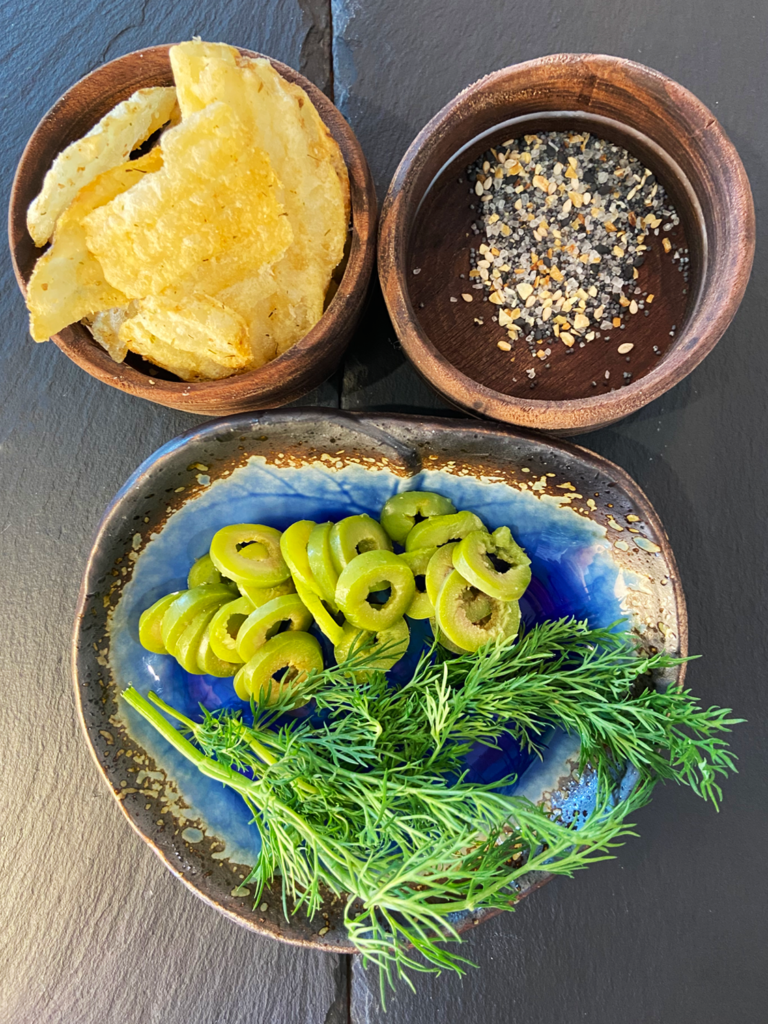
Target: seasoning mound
[{"x": 568, "y": 221}]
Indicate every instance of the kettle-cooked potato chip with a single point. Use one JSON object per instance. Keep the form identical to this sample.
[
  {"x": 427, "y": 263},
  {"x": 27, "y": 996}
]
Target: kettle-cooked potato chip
[
  {"x": 68, "y": 282},
  {"x": 284, "y": 122},
  {"x": 216, "y": 193},
  {"x": 221, "y": 259},
  {"x": 306, "y": 158},
  {"x": 105, "y": 328},
  {"x": 105, "y": 146},
  {"x": 195, "y": 337}
]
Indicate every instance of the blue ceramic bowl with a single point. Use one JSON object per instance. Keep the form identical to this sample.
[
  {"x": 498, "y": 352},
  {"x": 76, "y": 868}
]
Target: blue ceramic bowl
[{"x": 597, "y": 548}]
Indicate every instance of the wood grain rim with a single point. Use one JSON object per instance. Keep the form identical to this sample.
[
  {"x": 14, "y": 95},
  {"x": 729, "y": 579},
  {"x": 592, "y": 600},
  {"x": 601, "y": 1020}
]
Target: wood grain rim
[
  {"x": 312, "y": 359},
  {"x": 729, "y": 215}
]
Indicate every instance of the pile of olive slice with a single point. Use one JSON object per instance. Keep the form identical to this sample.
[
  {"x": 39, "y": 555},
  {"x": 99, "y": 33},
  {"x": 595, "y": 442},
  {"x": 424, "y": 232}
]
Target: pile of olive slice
[{"x": 252, "y": 599}]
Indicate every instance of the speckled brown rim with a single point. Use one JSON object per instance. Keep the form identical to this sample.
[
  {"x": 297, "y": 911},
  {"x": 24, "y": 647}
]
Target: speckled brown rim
[
  {"x": 400, "y": 435},
  {"x": 720, "y": 183},
  {"x": 311, "y": 360}
]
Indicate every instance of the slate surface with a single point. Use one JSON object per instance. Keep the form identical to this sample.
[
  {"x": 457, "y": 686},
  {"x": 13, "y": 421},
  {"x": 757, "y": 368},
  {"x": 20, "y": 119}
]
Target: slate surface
[{"x": 92, "y": 927}]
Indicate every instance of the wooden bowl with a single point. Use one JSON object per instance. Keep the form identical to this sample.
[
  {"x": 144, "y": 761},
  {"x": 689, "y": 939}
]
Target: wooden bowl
[
  {"x": 425, "y": 227},
  {"x": 310, "y": 361}
]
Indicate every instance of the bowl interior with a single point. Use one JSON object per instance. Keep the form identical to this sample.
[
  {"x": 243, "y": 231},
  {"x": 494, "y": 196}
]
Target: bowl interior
[
  {"x": 440, "y": 243},
  {"x": 597, "y": 548}
]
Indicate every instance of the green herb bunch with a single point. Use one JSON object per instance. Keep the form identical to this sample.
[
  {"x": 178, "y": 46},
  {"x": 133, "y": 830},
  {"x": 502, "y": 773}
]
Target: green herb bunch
[{"x": 374, "y": 805}]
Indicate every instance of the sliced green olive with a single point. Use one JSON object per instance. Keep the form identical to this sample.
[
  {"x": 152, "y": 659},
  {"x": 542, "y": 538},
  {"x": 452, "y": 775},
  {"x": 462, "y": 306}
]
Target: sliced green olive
[
  {"x": 443, "y": 640},
  {"x": 472, "y": 557},
  {"x": 398, "y": 517},
  {"x": 188, "y": 606},
  {"x": 249, "y": 553},
  {"x": 439, "y": 568},
  {"x": 260, "y": 595},
  {"x": 459, "y": 615},
  {"x": 321, "y": 561},
  {"x": 371, "y": 573},
  {"x": 354, "y": 536},
  {"x": 203, "y": 571},
  {"x": 435, "y": 532},
  {"x": 151, "y": 623},
  {"x": 262, "y": 624},
  {"x": 324, "y": 619},
  {"x": 417, "y": 561},
  {"x": 224, "y": 629},
  {"x": 293, "y": 654},
  {"x": 293, "y": 545},
  {"x": 392, "y": 641},
  {"x": 209, "y": 664},
  {"x": 187, "y": 647}
]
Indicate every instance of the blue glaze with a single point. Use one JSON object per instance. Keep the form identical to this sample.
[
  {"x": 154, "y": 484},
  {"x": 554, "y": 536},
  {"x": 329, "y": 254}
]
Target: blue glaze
[{"x": 573, "y": 574}]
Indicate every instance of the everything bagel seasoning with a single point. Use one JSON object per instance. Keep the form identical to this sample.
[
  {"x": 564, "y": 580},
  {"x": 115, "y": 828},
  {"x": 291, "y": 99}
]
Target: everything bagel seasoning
[{"x": 564, "y": 222}]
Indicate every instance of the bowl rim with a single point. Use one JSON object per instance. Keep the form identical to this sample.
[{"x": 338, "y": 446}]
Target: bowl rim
[
  {"x": 709, "y": 316},
  {"x": 256, "y": 385},
  {"x": 376, "y": 425}
]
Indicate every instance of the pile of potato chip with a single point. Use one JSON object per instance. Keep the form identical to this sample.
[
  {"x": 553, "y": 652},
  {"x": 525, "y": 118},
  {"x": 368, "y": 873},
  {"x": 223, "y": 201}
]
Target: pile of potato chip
[{"x": 213, "y": 252}]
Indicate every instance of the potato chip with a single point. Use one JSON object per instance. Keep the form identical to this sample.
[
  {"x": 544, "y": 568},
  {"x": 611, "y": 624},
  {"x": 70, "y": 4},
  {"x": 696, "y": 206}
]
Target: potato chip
[
  {"x": 68, "y": 282},
  {"x": 195, "y": 337},
  {"x": 284, "y": 123},
  {"x": 281, "y": 120},
  {"x": 107, "y": 145},
  {"x": 105, "y": 328},
  {"x": 216, "y": 194},
  {"x": 188, "y": 63}
]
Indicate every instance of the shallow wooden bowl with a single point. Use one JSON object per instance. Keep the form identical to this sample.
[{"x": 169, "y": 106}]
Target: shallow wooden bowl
[
  {"x": 425, "y": 227},
  {"x": 309, "y": 362}
]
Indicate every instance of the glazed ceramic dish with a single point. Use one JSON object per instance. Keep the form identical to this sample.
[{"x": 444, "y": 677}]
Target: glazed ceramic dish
[{"x": 597, "y": 547}]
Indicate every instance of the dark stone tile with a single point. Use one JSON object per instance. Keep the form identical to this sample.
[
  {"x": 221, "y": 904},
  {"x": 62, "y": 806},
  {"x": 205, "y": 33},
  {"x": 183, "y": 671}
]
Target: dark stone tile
[{"x": 94, "y": 927}]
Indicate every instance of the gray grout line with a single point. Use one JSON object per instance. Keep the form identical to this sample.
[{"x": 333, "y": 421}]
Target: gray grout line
[{"x": 316, "y": 60}]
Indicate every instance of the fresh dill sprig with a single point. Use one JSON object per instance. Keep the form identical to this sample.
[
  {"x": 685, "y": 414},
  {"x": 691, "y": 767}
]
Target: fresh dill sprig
[{"x": 357, "y": 799}]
